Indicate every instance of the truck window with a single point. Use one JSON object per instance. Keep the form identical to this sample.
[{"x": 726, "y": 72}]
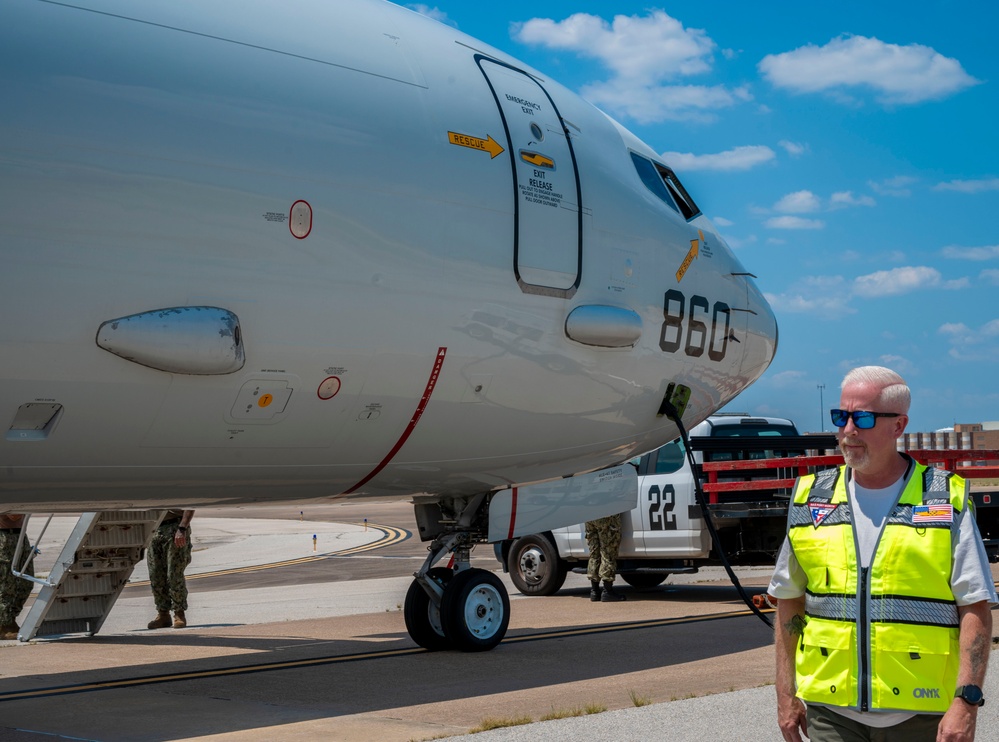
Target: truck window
[
  {"x": 753, "y": 431},
  {"x": 669, "y": 458}
]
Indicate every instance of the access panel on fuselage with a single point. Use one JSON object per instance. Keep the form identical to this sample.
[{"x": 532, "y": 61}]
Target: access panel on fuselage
[{"x": 548, "y": 234}]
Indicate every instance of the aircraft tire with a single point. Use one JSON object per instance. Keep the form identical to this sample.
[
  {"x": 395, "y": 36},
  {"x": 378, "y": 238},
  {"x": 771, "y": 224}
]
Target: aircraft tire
[
  {"x": 423, "y": 619},
  {"x": 644, "y": 579},
  {"x": 535, "y": 567},
  {"x": 475, "y": 610}
]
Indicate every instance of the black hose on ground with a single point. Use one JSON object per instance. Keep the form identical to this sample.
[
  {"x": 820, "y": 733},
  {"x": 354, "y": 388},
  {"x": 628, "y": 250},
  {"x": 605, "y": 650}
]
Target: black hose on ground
[{"x": 672, "y": 414}]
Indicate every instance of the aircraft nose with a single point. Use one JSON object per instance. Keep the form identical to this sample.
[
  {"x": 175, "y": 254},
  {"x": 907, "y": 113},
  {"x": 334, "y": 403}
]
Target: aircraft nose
[{"x": 761, "y": 334}]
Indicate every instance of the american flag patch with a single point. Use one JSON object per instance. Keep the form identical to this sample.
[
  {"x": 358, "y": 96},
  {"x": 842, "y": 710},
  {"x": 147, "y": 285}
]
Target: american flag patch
[
  {"x": 820, "y": 511},
  {"x": 933, "y": 514}
]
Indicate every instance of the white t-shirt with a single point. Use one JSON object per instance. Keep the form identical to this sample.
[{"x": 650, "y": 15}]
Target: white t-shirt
[{"x": 870, "y": 508}]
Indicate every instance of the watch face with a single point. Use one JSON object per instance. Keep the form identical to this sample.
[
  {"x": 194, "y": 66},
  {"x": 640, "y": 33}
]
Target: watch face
[{"x": 972, "y": 694}]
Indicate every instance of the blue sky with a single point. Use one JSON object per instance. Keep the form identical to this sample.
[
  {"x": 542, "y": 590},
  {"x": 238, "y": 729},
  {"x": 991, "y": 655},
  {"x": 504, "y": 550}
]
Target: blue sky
[{"x": 847, "y": 151}]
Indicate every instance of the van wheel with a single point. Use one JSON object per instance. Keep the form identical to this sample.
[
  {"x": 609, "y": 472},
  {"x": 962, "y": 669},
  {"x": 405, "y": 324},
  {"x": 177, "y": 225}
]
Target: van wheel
[
  {"x": 535, "y": 566},
  {"x": 644, "y": 579}
]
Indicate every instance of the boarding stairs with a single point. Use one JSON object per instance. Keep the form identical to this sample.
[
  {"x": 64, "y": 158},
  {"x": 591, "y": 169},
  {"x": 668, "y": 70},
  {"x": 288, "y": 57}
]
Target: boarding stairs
[{"x": 89, "y": 574}]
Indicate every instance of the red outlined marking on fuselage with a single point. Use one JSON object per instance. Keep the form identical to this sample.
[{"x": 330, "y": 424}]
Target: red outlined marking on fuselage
[
  {"x": 431, "y": 383},
  {"x": 513, "y": 512}
]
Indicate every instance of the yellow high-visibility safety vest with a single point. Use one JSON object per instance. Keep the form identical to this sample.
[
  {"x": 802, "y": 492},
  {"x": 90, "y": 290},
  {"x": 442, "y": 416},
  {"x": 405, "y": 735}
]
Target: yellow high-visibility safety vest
[{"x": 885, "y": 637}]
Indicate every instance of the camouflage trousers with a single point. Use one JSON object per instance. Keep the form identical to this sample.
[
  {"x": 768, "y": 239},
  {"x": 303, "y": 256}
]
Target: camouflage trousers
[
  {"x": 167, "y": 562},
  {"x": 13, "y": 590},
  {"x": 604, "y": 538}
]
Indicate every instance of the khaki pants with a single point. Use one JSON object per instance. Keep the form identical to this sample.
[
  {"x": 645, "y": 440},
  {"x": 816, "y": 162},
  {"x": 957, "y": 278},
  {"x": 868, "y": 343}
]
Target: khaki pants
[{"x": 825, "y": 725}]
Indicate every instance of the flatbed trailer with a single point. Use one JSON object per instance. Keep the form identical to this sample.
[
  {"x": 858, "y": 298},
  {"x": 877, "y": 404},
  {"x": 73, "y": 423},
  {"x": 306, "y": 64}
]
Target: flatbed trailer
[{"x": 744, "y": 489}]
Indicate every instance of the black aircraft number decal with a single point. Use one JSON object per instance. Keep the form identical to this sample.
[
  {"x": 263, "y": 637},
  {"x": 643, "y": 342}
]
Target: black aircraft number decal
[{"x": 697, "y": 337}]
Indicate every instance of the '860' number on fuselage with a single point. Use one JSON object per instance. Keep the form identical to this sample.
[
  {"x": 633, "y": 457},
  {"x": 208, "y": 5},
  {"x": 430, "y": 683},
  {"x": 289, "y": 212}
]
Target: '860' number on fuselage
[{"x": 697, "y": 337}]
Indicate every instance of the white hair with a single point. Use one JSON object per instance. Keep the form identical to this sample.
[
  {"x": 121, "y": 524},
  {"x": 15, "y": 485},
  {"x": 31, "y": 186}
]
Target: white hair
[{"x": 894, "y": 394}]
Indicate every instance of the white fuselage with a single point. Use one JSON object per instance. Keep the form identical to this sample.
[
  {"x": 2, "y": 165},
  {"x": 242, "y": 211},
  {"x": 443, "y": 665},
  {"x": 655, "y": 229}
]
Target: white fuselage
[{"x": 316, "y": 169}]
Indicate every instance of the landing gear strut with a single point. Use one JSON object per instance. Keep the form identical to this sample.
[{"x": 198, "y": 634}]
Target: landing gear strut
[{"x": 458, "y": 607}]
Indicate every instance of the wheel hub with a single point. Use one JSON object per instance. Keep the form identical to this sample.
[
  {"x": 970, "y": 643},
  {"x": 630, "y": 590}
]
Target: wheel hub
[
  {"x": 532, "y": 565},
  {"x": 484, "y": 611}
]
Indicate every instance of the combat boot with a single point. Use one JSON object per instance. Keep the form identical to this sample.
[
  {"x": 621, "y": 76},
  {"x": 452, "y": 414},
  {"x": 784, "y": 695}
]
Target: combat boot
[
  {"x": 609, "y": 596},
  {"x": 595, "y": 590},
  {"x": 179, "y": 620},
  {"x": 8, "y": 632},
  {"x": 161, "y": 621}
]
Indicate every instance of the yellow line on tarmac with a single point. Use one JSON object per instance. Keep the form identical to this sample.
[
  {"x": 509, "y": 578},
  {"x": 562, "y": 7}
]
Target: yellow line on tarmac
[
  {"x": 611, "y": 628},
  {"x": 390, "y": 535}
]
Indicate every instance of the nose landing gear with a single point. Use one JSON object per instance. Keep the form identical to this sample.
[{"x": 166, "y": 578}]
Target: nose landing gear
[{"x": 463, "y": 607}]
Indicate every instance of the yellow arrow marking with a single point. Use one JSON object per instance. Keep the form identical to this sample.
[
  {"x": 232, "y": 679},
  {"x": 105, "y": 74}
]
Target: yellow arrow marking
[
  {"x": 691, "y": 254},
  {"x": 488, "y": 144},
  {"x": 538, "y": 160}
]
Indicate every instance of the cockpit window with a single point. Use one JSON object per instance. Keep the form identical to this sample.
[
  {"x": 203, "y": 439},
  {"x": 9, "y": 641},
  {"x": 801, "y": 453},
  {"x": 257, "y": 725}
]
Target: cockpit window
[
  {"x": 663, "y": 182},
  {"x": 653, "y": 181}
]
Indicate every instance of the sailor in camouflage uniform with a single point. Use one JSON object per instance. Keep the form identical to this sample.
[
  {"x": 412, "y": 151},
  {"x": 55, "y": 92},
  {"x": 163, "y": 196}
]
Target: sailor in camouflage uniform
[
  {"x": 168, "y": 555},
  {"x": 14, "y": 591},
  {"x": 604, "y": 538}
]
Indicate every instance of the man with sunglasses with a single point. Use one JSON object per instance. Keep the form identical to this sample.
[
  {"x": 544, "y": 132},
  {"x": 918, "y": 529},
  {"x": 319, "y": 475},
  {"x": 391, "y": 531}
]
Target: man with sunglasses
[{"x": 884, "y": 589}]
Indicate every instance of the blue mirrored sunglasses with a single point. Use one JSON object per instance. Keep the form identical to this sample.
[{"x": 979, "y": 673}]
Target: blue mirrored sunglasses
[{"x": 863, "y": 419}]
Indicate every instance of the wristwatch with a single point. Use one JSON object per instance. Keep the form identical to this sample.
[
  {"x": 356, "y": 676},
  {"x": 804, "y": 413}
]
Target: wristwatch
[
  {"x": 971, "y": 695},
  {"x": 183, "y": 529}
]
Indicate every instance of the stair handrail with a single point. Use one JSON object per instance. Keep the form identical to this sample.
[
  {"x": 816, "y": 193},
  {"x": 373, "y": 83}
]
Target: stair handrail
[{"x": 31, "y": 556}]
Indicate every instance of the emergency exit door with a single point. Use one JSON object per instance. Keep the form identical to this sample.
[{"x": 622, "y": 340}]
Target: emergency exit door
[{"x": 548, "y": 239}]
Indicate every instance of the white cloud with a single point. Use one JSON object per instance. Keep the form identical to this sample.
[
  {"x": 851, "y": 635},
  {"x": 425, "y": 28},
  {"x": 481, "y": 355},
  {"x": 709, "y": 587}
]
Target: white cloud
[
  {"x": 897, "y": 186},
  {"x": 722, "y": 221},
  {"x": 897, "y": 281},
  {"x": 837, "y": 295},
  {"x": 991, "y": 275},
  {"x": 644, "y": 50},
  {"x": 827, "y": 295},
  {"x": 432, "y": 12},
  {"x": 800, "y": 304},
  {"x": 649, "y": 104},
  {"x": 794, "y": 222},
  {"x": 646, "y": 56},
  {"x": 793, "y": 148},
  {"x": 969, "y": 344},
  {"x": 900, "y": 74},
  {"x": 788, "y": 379},
  {"x": 899, "y": 364},
  {"x": 969, "y": 186},
  {"x": 806, "y": 202},
  {"x": 989, "y": 252},
  {"x": 846, "y": 198},
  {"x": 737, "y": 158},
  {"x": 957, "y": 328},
  {"x": 737, "y": 243},
  {"x": 799, "y": 202}
]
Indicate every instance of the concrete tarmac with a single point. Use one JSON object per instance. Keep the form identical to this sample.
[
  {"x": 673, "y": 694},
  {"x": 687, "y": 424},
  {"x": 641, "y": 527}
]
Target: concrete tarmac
[{"x": 332, "y": 660}]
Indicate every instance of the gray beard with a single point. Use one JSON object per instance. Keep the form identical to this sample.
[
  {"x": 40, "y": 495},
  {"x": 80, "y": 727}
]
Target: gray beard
[{"x": 855, "y": 460}]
